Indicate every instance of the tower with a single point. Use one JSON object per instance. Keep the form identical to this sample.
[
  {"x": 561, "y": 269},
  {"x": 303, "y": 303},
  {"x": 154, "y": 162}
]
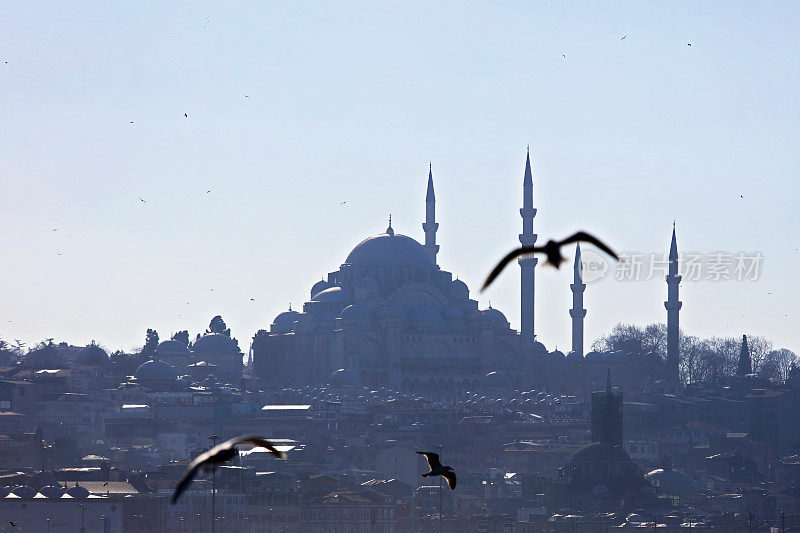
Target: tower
[
  {"x": 527, "y": 264},
  {"x": 577, "y": 312},
  {"x": 430, "y": 225},
  {"x": 745, "y": 365},
  {"x": 673, "y": 306},
  {"x": 607, "y": 414}
]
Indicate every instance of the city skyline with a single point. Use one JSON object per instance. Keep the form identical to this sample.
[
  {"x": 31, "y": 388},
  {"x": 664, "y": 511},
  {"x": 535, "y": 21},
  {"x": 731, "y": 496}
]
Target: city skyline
[{"x": 99, "y": 123}]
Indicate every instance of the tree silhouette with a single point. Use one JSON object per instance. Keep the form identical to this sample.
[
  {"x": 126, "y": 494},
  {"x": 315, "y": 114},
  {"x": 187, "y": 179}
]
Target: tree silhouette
[
  {"x": 150, "y": 343},
  {"x": 182, "y": 337},
  {"x": 217, "y": 325}
]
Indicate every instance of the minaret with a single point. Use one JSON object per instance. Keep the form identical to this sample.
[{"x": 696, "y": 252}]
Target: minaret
[
  {"x": 430, "y": 225},
  {"x": 745, "y": 365},
  {"x": 527, "y": 264},
  {"x": 577, "y": 312},
  {"x": 673, "y": 306}
]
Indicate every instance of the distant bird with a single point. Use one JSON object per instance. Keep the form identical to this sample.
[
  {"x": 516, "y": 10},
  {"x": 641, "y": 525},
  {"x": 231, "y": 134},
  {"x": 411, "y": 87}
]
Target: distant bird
[
  {"x": 208, "y": 191},
  {"x": 741, "y": 196},
  {"x": 252, "y": 299},
  {"x": 13, "y": 524},
  {"x": 185, "y": 115},
  {"x": 246, "y": 96},
  {"x": 222, "y": 453},
  {"x": 553, "y": 251},
  {"x": 623, "y": 37},
  {"x": 105, "y": 483},
  {"x": 342, "y": 203},
  {"x": 438, "y": 470},
  {"x": 688, "y": 44},
  {"x": 564, "y": 56},
  {"x": 142, "y": 199},
  {"x": 55, "y": 229},
  {"x": 131, "y": 122}
]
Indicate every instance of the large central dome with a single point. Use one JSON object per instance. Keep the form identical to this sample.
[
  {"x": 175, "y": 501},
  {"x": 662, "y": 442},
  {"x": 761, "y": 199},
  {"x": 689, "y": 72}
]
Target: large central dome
[{"x": 389, "y": 248}]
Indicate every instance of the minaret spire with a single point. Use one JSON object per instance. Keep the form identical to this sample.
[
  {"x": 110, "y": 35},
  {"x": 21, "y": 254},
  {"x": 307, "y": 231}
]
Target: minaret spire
[
  {"x": 430, "y": 225},
  {"x": 527, "y": 264},
  {"x": 745, "y": 365},
  {"x": 577, "y": 312},
  {"x": 673, "y": 306}
]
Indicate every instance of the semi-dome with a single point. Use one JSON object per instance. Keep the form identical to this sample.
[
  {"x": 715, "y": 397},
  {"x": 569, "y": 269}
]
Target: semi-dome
[
  {"x": 92, "y": 355},
  {"x": 155, "y": 371},
  {"x": 215, "y": 343},
  {"x": 558, "y": 354},
  {"x": 319, "y": 286},
  {"x": 389, "y": 248},
  {"x": 424, "y": 313},
  {"x": 574, "y": 356},
  {"x": 389, "y": 312},
  {"x": 355, "y": 312},
  {"x": 172, "y": 347},
  {"x": 344, "y": 378},
  {"x": 539, "y": 347},
  {"x": 495, "y": 380},
  {"x": 334, "y": 295},
  {"x": 454, "y": 313},
  {"x": 596, "y": 356}
]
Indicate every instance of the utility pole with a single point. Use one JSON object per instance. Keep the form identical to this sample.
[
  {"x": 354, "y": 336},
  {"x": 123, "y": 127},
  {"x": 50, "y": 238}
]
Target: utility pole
[{"x": 213, "y": 438}]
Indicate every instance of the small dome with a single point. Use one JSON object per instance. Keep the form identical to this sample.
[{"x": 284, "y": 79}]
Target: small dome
[
  {"x": 601, "y": 452},
  {"x": 668, "y": 481},
  {"x": 495, "y": 316},
  {"x": 24, "y": 492},
  {"x": 539, "y": 347},
  {"x": 42, "y": 479},
  {"x": 595, "y": 356},
  {"x": 92, "y": 355},
  {"x": 155, "y": 371},
  {"x": 52, "y": 491},
  {"x": 459, "y": 290},
  {"x": 344, "y": 378},
  {"x": 574, "y": 356},
  {"x": 557, "y": 354},
  {"x": 318, "y": 287},
  {"x": 287, "y": 318},
  {"x": 216, "y": 343},
  {"x": 495, "y": 380},
  {"x": 172, "y": 348},
  {"x": 78, "y": 492},
  {"x": 355, "y": 312},
  {"x": 389, "y": 249},
  {"x": 335, "y": 295}
]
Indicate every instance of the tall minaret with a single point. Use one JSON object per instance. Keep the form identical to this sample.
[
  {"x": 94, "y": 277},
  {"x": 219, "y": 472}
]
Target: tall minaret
[
  {"x": 673, "y": 306},
  {"x": 527, "y": 264},
  {"x": 577, "y": 312},
  {"x": 430, "y": 225}
]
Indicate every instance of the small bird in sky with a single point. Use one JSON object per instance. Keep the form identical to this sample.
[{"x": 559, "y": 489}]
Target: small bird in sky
[
  {"x": 142, "y": 199},
  {"x": 564, "y": 56},
  {"x": 623, "y": 37},
  {"x": 131, "y": 122},
  {"x": 741, "y": 196},
  {"x": 185, "y": 115},
  {"x": 553, "y": 251},
  {"x": 12, "y": 524},
  {"x": 688, "y": 44},
  {"x": 246, "y": 96},
  {"x": 437, "y": 469},
  {"x": 222, "y": 453},
  {"x": 55, "y": 229},
  {"x": 342, "y": 203},
  {"x": 252, "y": 299},
  {"x": 208, "y": 191}
]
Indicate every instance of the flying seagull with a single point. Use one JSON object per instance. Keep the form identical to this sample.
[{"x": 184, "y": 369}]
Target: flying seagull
[
  {"x": 553, "y": 251},
  {"x": 142, "y": 199},
  {"x": 12, "y": 524},
  {"x": 219, "y": 454},
  {"x": 438, "y": 470},
  {"x": 623, "y": 37}
]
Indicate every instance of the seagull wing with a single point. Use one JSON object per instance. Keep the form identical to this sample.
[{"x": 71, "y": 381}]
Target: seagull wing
[
  {"x": 191, "y": 472},
  {"x": 591, "y": 239},
  {"x": 451, "y": 479},
  {"x": 506, "y": 260},
  {"x": 433, "y": 460},
  {"x": 260, "y": 442}
]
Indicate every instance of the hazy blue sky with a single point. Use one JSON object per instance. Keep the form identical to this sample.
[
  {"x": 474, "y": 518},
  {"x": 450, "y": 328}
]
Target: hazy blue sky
[{"x": 294, "y": 108}]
